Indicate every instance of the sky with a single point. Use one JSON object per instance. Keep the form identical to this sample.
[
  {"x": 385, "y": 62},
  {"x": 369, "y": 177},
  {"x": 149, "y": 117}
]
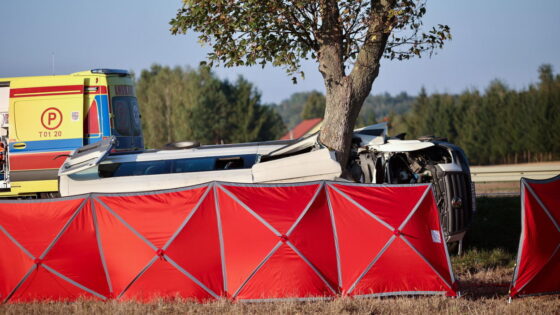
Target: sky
[{"x": 498, "y": 39}]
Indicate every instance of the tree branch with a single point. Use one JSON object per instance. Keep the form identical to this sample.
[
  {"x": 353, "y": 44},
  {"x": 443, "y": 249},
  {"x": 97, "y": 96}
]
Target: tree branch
[
  {"x": 331, "y": 62},
  {"x": 366, "y": 68}
]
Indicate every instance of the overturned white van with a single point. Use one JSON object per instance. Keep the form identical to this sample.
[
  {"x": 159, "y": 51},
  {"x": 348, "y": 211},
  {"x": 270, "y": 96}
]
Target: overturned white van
[
  {"x": 92, "y": 169},
  {"x": 375, "y": 158}
]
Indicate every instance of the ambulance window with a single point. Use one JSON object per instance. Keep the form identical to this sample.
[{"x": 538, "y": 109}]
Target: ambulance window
[
  {"x": 126, "y": 115},
  {"x": 122, "y": 116},
  {"x": 135, "y": 111}
]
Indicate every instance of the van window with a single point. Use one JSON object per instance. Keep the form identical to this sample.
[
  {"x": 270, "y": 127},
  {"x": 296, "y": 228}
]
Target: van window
[
  {"x": 126, "y": 115},
  {"x": 193, "y": 165},
  {"x": 204, "y": 164},
  {"x": 229, "y": 163}
]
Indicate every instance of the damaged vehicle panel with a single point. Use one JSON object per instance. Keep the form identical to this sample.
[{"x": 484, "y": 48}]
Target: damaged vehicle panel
[
  {"x": 426, "y": 160},
  {"x": 375, "y": 158}
]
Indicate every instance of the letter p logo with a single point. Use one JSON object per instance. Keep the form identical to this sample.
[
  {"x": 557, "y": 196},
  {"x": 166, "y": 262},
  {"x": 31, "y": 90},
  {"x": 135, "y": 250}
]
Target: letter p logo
[{"x": 51, "y": 118}]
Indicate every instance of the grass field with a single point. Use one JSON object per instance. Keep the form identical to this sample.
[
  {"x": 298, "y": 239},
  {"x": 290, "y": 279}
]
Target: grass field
[{"x": 484, "y": 270}]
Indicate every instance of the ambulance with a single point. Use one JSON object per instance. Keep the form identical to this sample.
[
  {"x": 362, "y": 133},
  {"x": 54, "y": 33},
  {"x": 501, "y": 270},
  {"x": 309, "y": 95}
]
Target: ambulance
[{"x": 45, "y": 118}]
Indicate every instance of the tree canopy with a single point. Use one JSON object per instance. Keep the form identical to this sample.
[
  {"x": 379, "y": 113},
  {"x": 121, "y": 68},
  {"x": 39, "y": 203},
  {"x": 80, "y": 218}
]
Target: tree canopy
[
  {"x": 347, "y": 39},
  {"x": 284, "y": 32}
]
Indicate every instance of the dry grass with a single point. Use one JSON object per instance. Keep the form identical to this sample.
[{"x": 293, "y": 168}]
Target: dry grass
[
  {"x": 497, "y": 188},
  {"x": 469, "y": 304},
  {"x": 484, "y": 270}
]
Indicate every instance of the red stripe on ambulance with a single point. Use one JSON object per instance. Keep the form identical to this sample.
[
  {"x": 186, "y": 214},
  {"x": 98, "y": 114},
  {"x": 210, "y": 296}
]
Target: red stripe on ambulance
[
  {"x": 34, "y": 161},
  {"x": 47, "y": 91}
]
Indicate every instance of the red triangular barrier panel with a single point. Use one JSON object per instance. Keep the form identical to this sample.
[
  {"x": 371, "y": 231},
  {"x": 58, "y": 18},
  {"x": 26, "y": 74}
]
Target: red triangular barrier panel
[
  {"x": 238, "y": 241},
  {"x": 27, "y": 231},
  {"x": 408, "y": 274},
  {"x": 360, "y": 237},
  {"x": 547, "y": 191},
  {"x": 125, "y": 253},
  {"x": 314, "y": 238},
  {"x": 76, "y": 254},
  {"x": 14, "y": 265},
  {"x": 44, "y": 285},
  {"x": 45, "y": 219},
  {"x": 547, "y": 279},
  {"x": 197, "y": 247},
  {"x": 280, "y": 206},
  {"x": 247, "y": 241},
  {"x": 284, "y": 275},
  {"x": 538, "y": 261},
  {"x": 162, "y": 279},
  {"x": 416, "y": 219},
  {"x": 423, "y": 233},
  {"x": 155, "y": 216},
  {"x": 392, "y": 204}
]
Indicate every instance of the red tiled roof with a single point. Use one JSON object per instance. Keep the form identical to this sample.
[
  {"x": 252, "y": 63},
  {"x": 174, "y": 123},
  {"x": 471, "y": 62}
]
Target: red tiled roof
[{"x": 301, "y": 129}]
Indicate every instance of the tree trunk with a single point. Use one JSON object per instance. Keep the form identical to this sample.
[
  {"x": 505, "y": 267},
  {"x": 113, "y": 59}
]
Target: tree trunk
[
  {"x": 345, "y": 94},
  {"x": 343, "y": 104}
]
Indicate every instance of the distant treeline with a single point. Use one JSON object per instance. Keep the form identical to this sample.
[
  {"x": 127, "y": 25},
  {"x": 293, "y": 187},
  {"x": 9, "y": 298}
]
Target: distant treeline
[
  {"x": 187, "y": 104},
  {"x": 303, "y": 105},
  {"x": 499, "y": 125},
  {"x": 496, "y": 126}
]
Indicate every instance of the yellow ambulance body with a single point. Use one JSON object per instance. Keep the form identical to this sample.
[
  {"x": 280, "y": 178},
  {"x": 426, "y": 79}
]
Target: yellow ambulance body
[{"x": 44, "y": 118}]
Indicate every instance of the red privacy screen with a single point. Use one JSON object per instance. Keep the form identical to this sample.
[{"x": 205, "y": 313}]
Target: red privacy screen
[
  {"x": 222, "y": 240},
  {"x": 538, "y": 259}
]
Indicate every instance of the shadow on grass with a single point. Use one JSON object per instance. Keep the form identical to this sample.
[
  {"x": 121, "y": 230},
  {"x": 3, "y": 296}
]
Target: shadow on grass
[
  {"x": 497, "y": 224},
  {"x": 490, "y": 248},
  {"x": 493, "y": 238},
  {"x": 473, "y": 290}
]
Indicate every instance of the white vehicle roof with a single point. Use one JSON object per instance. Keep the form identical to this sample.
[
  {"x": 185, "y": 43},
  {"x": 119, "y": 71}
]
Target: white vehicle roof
[
  {"x": 91, "y": 155},
  {"x": 204, "y": 151}
]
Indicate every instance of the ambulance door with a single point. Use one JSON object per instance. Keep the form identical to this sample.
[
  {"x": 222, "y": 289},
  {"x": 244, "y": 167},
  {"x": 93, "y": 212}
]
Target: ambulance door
[
  {"x": 46, "y": 122},
  {"x": 87, "y": 156}
]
